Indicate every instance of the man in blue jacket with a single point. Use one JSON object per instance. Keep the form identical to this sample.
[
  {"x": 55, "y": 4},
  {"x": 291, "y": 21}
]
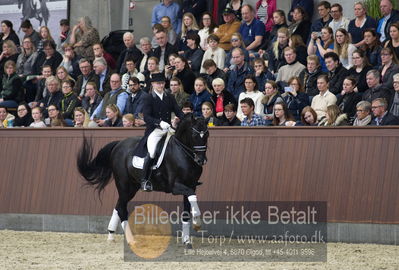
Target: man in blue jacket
[{"x": 237, "y": 76}]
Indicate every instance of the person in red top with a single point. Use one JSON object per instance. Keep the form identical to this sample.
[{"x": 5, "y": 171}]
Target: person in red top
[
  {"x": 221, "y": 97},
  {"x": 264, "y": 13},
  {"x": 99, "y": 52}
]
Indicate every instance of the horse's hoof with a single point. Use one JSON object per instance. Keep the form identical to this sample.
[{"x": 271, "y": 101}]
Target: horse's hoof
[
  {"x": 197, "y": 223},
  {"x": 188, "y": 245},
  {"x": 111, "y": 238}
]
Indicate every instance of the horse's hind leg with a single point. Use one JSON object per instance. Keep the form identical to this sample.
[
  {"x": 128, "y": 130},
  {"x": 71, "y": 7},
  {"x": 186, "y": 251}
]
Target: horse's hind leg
[{"x": 186, "y": 224}]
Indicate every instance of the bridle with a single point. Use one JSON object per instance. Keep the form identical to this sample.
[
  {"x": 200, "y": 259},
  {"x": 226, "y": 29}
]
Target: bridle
[{"x": 197, "y": 148}]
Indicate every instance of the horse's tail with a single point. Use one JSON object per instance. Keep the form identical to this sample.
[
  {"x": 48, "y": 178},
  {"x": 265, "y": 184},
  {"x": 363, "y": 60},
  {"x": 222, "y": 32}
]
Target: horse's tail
[{"x": 96, "y": 171}]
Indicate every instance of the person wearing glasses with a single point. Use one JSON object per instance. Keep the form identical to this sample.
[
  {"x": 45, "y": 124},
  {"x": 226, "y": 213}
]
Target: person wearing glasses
[
  {"x": 382, "y": 117},
  {"x": 363, "y": 114},
  {"x": 88, "y": 75},
  {"x": 339, "y": 21},
  {"x": 395, "y": 102},
  {"x": 135, "y": 100}
]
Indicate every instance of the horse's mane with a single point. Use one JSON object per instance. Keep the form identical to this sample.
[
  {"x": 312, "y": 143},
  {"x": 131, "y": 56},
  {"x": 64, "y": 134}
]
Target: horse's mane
[{"x": 183, "y": 132}]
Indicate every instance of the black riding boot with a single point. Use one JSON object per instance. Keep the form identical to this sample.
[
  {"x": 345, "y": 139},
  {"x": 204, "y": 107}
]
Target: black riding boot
[{"x": 146, "y": 184}]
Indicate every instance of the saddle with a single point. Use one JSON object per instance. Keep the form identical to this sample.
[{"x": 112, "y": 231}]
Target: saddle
[{"x": 141, "y": 151}]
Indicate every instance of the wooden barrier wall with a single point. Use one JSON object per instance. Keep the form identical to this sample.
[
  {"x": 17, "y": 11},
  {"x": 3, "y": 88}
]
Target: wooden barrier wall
[{"x": 356, "y": 170}]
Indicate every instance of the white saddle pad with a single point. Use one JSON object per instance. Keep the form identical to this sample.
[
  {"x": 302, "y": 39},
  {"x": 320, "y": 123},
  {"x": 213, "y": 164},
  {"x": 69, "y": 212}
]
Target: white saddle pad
[{"x": 138, "y": 162}]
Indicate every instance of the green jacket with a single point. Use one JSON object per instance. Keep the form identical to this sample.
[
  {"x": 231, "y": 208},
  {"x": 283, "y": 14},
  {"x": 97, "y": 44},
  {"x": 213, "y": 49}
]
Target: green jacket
[{"x": 12, "y": 88}]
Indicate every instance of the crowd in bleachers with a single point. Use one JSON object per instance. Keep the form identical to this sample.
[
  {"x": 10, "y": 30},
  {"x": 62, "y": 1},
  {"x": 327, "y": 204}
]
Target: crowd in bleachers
[{"x": 256, "y": 67}]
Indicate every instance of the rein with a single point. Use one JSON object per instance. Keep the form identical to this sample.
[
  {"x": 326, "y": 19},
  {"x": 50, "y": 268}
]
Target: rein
[{"x": 190, "y": 152}]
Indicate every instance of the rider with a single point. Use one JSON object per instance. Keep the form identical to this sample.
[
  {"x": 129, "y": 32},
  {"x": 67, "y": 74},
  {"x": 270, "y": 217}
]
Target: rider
[{"x": 157, "y": 110}]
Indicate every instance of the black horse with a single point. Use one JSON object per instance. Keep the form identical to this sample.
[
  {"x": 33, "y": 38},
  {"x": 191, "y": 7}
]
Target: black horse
[{"x": 178, "y": 174}]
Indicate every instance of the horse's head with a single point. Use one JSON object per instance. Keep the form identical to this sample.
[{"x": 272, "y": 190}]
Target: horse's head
[{"x": 193, "y": 132}]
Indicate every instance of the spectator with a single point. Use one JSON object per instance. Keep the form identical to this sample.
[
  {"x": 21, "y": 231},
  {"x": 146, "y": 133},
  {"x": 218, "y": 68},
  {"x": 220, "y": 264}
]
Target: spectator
[
  {"x": 372, "y": 47},
  {"x": 226, "y": 30},
  {"x": 26, "y": 58},
  {"x": 98, "y": 51},
  {"x": 131, "y": 72},
  {"x": 164, "y": 50},
  {"x": 37, "y": 118},
  {"x": 208, "y": 114},
  {"x": 334, "y": 117},
  {"x": 348, "y": 98},
  {"x": 276, "y": 53},
  {"x": 10, "y": 53},
  {"x": 189, "y": 25},
  {"x": 214, "y": 52},
  {"x": 251, "y": 29},
  {"x": 6, "y": 119},
  {"x": 295, "y": 97},
  {"x": 114, "y": 116},
  {"x": 359, "y": 70},
  {"x": 252, "y": 92},
  {"x": 264, "y": 13},
  {"x": 272, "y": 96},
  {"x": 49, "y": 56},
  {"x": 309, "y": 76},
  {"x": 177, "y": 90},
  {"x": 300, "y": 24},
  {"x": 323, "y": 8},
  {"x": 54, "y": 117},
  {"x": 104, "y": 74},
  {"x": 27, "y": 28},
  {"x": 360, "y": 23},
  {"x": 236, "y": 7},
  {"x": 53, "y": 97},
  {"x": 131, "y": 52},
  {"x": 394, "y": 109},
  {"x": 185, "y": 74},
  {"x": 207, "y": 27},
  {"x": 279, "y": 21},
  {"x": 393, "y": 41},
  {"x": 83, "y": 37},
  {"x": 11, "y": 93},
  {"x": 62, "y": 75},
  {"x": 155, "y": 29},
  {"x": 88, "y": 75},
  {"x": 221, "y": 97},
  {"x": 251, "y": 119},
  {"x": 388, "y": 68},
  {"x": 344, "y": 48},
  {"x": 229, "y": 117},
  {"x": 24, "y": 116},
  {"x": 324, "y": 99},
  {"x": 305, "y": 5},
  {"x": 237, "y": 75},
  {"x": 262, "y": 74},
  {"x": 170, "y": 9},
  {"x": 292, "y": 69},
  {"x": 282, "y": 116},
  {"x": 187, "y": 107},
  {"x": 44, "y": 33},
  {"x": 146, "y": 49},
  {"x": 194, "y": 54},
  {"x": 196, "y": 7},
  {"x": 376, "y": 89},
  {"x": 65, "y": 33},
  {"x": 390, "y": 16},
  {"x": 91, "y": 99},
  {"x": 128, "y": 120},
  {"x": 201, "y": 94},
  {"x": 39, "y": 89},
  {"x": 296, "y": 42},
  {"x": 167, "y": 26},
  {"x": 236, "y": 42},
  {"x": 117, "y": 96},
  {"x": 363, "y": 114},
  {"x": 309, "y": 117},
  {"x": 212, "y": 72},
  {"x": 81, "y": 118},
  {"x": 71, "y": 61},
  {"x": 8, "y": 33},
  {"x": 135, "y": 100},
  {"x": 339, "y": 21},
  {"x": 321, "y": 45},
  {"x": 381, "y": 116},
  {"x": 152, "y": 68},
  {"x": 69, "y": 102},
  {"x": 336, "y": 72}
]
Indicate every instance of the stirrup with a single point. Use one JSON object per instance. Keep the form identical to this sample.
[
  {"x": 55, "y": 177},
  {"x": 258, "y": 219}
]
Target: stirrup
[{"x": 146, "y": 185}]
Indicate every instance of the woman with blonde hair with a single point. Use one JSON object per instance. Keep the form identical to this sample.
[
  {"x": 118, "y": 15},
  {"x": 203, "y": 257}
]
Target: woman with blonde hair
[
  {"x": 44, "y": 33},
  {"x": 344, "y": 48},
  {"x": 128, "y": 120},
  {"x": 177, "y": 90},
  {"x": 188, "y": 25},
  {"x": 276, "y": 53},
  {"x": 63, "y": 75},
  {"x": 114, "y": 116},
  {"x": 83, "y": 37},
  {"x": 10, "y": 52},
  {"x": 334, "y": 117},
  {"x": 81, "y": 118}
]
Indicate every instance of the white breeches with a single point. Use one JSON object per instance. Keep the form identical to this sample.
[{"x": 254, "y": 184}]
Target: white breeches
[{"x": 153, "y": 140}]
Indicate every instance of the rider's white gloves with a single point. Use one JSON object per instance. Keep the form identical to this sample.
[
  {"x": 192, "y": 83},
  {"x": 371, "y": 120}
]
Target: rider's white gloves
[{"x": 164, "y": 125}]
